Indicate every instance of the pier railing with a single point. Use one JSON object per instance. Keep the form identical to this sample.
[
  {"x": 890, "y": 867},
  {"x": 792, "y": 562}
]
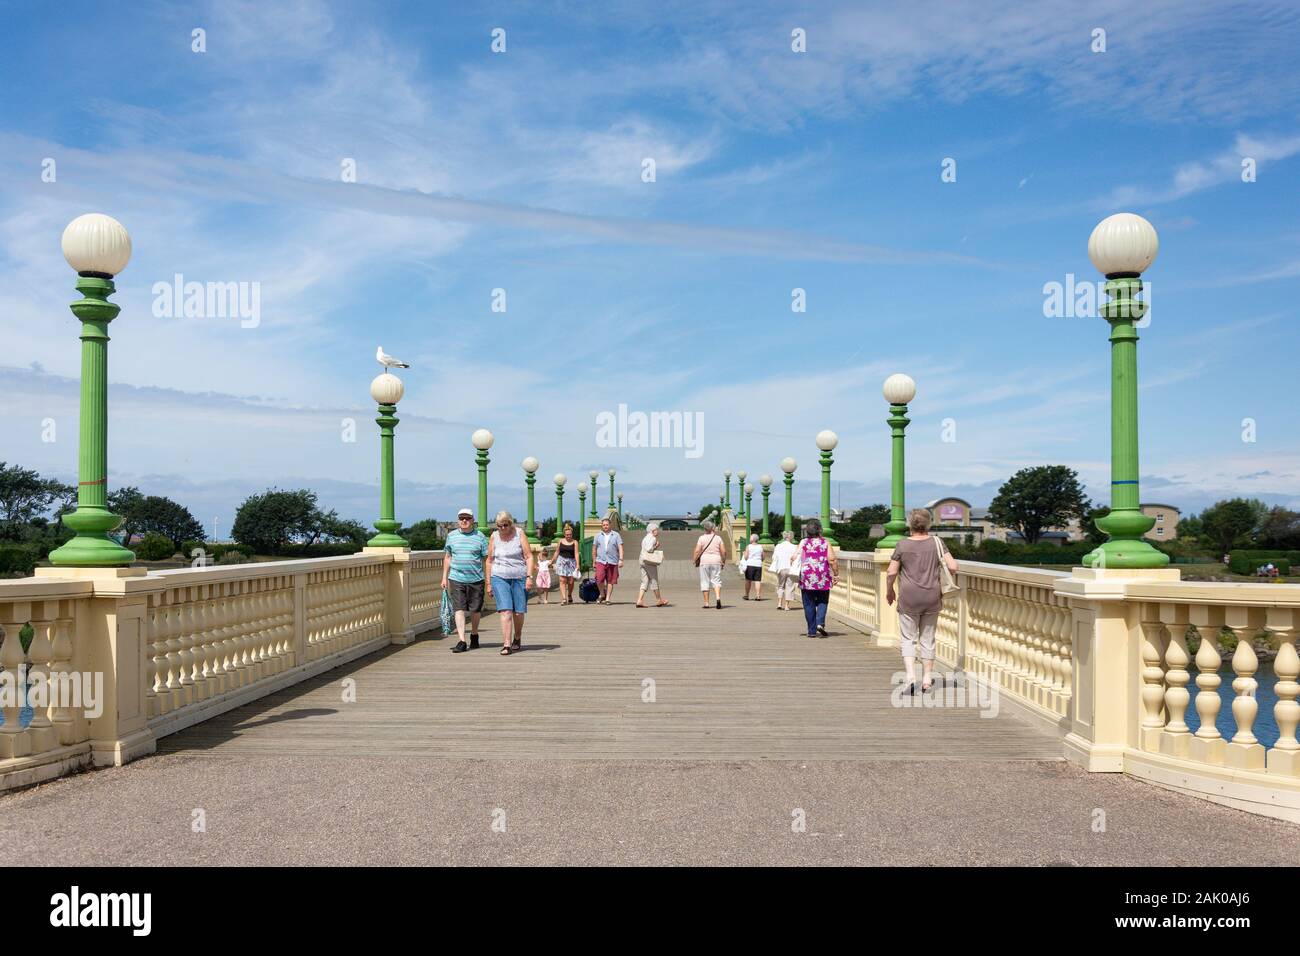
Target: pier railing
[
  {"x": 1113, "y": 662},
  {"x": 115, "y": 662}
]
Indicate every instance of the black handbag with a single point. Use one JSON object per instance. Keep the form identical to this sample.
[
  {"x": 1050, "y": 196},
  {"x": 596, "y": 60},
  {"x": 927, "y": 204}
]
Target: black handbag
[{"x": 588, "y": 590}]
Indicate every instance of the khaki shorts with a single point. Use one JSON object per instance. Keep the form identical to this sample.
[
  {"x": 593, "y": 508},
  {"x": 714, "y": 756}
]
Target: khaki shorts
[
  {"x": 710, "y": 576},
  {"x": 912, "y": 627}
]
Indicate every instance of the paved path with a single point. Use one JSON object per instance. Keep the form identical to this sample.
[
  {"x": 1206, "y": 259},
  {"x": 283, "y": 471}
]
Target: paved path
[{"x": 750, "y": 722}]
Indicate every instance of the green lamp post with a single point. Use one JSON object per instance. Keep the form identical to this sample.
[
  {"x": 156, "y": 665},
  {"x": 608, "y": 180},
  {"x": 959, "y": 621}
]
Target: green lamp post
[
  {"x": 387, "y": 391},
  {"x": 611, "y": 488},
  {"x": 1122, "y": 247},
  {"x": 740, "y": 489},
  {"x": 482, "y": 440},
  {"x": 720, "y": 505},
  {"x": 899, "y": 390},
  {"x": 749, "y": 507},
  {"x": 727, "y": 475},
  {"x": 766, "y": 536},
  {"x": 98, "y": 248},
  {"x": 582, "y": 506},
  {"x": 788, "y": 465},
  {"x": 594, "y": 475},
  {"x": 530, "y": 466},
  {"x": 620, "y": 507},
  {"x": 826, "y": 441},
  {"x": 560, "y": 479}
]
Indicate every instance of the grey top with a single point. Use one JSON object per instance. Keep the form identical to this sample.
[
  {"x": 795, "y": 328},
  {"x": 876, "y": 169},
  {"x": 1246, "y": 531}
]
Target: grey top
[
  {"x": 919, "y": 591},
  {"x": 508, "y": 556}
]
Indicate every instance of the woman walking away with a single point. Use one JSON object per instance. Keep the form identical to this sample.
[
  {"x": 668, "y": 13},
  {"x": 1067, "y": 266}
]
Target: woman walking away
[
  {"x": 566, "y": 563},
  {"x": 708, "y": 558},
  {"x": 818, "y": 572},
  {"x": 786, "y": 571},
  {"x": 754, "y": 568},
  {"x": 509, "y": 571},
  {"x": 650, "y": 566},
  {"x": 917, "y": 558}
]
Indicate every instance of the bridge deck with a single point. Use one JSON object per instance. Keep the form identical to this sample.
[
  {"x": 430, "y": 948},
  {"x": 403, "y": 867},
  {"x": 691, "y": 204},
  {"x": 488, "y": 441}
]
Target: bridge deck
[{"x": 740, "y": 683}]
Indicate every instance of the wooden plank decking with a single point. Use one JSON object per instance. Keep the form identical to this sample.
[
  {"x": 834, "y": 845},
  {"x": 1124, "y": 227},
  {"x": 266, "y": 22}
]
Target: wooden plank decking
[{"x": 736, "y": 684}]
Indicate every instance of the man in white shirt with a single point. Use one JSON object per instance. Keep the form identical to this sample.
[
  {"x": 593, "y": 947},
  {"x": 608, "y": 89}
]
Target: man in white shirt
[
  {"x": 607, "y": 554},
  {"x": 785, "y": 581}
]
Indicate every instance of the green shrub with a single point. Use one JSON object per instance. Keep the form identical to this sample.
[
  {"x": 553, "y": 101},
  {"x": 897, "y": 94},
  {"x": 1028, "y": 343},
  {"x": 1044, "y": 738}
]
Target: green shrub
[
  {"x": 154, "y": 547},
  {"x": 232, "y": 556},
  {"x": 1247, "y": 562},
  {"x": 19, "y": 559}
]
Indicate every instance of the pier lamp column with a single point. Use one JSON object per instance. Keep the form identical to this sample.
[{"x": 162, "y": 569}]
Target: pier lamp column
[
  {"x": 740, "y": 489},
  {"x": 559, "y": 503},
  {"x": 387, "y": 391},
  {"x": 826, "y": 441},
  {"x": 482, "y": 440},
  {"x": 611, "y": 487},
  {"x": 620, "y": 507},
  {"x": 749, "y": 507},
  {"x": 1122, "y": 246},
  {"x": 766, "y": 536},
  {"x": 582, "y": 509},
  {"x": 727, "y": 475},
  {"x": 594, "y": 475},
  {"x": 899, "y": 390},
  {"x": 98, "y": 248},
  {"x": 530, "y": 466},
  {"x": 788, "y": 465}
]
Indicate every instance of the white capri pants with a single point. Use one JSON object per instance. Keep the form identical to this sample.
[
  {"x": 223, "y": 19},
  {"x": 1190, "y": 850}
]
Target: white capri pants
[
  {"x": 710, "y": 576},
  {"x": 650, "y": 577},
  {"x": 786, "y": 585},
  {"x": 912, "y": 626}
]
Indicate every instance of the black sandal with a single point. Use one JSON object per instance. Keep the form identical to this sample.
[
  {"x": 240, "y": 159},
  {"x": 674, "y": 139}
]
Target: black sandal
[{"x": 505, "y": 651}]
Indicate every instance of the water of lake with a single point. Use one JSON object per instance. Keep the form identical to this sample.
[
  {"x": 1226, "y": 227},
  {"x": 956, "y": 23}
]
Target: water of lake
[{"x": 1265, "y": 725}]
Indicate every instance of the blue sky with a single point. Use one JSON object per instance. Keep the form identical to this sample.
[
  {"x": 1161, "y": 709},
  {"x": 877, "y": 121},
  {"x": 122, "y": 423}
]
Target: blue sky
[{"x": 775, "y": 170}]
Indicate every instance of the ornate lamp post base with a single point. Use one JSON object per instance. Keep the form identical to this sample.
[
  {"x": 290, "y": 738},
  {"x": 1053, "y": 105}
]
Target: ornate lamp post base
[
  {"x": 1126, "y": 547},
  {"x": 92, "y": 547}
]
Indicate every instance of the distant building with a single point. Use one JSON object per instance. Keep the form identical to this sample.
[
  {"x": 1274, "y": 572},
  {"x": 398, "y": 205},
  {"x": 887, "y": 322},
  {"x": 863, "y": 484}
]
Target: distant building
[
  {"x": 956, "y": 519},
  {"x": 1166, "y": 526}
]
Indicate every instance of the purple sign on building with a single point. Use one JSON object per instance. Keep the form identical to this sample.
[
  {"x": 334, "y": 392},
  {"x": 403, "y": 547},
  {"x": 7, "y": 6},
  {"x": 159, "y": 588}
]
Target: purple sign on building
[{"x": 950, "y": 513}]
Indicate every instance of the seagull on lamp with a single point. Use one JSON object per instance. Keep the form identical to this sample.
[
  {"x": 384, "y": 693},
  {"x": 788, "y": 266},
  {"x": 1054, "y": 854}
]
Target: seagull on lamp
[{"x": 387, "y": 361}]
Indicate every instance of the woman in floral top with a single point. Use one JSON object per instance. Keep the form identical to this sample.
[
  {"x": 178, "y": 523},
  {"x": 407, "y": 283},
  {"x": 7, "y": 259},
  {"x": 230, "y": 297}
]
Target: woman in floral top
[{"x": 818, "y": 571}]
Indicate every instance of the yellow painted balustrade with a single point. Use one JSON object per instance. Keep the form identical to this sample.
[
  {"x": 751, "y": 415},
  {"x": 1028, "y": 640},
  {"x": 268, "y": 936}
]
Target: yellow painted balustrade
[
  {"x": 1103, "y": 659},
  {"x": 172, "y": 648}
]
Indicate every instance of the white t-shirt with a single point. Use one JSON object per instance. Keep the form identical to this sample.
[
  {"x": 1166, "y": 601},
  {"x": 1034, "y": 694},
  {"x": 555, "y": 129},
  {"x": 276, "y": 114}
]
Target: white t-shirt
[
  {"x": 782, "y": 554},
  {"x": 754, "y": 556}
]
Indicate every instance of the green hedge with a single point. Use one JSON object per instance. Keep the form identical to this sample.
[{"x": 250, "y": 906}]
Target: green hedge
[
  {"x": 1247, "y": 562},
  {"x": 19, "y": 558}
]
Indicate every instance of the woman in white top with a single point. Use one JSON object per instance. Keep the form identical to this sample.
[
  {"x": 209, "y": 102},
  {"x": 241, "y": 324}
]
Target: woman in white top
[
  {"x": 754, "y": 568},
  {"x": 649, "y": 570},
  {"x": 708, "y": 558},
  {"x": 509, "y": 572},
  {"x": 786, "y": 575}
]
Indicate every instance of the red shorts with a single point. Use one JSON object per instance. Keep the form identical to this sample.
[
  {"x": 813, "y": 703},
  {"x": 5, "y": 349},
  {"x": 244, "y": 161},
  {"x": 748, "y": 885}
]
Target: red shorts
[{"x": 606, "y": 573}]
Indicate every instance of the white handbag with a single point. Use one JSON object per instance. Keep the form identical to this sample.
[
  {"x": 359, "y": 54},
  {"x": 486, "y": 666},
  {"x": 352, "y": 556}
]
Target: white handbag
[
  {"x": 653, "y": 557},
  {"x": 946, "y": 583}
]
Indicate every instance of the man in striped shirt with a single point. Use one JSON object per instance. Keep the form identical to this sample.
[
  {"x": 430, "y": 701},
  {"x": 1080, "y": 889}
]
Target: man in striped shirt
[{"x": 462, "y": 576}]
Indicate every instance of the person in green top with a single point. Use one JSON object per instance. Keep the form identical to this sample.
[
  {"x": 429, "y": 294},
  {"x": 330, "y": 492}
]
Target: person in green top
[{"x": 462, "y": 576}]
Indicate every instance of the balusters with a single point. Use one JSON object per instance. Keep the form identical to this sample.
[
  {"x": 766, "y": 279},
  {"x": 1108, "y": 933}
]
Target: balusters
[
  {"x": 1244, "y": 751},
  {"x": 1175, "y": 738},
  {"x": 62, "y": 716},
  {"x": 14, "y": 740},
  {"x": 1153, "y": 679},
  {"x": 40, "y": 652},
  {"x": 1208, "y": 744},
  {"x": 1284, "y": 756}
]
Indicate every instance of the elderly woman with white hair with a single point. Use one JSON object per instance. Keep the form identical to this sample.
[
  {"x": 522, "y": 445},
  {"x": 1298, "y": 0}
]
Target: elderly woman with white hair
[
  {"x": 916, "y": 558},
  {"x": 509, "y": 570},
  {"x": 785, "y": 566},
  {"x": 753, "y": 559},
  {"x": 708, "y": 558},
  {"x": 651, "y": 556}
]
